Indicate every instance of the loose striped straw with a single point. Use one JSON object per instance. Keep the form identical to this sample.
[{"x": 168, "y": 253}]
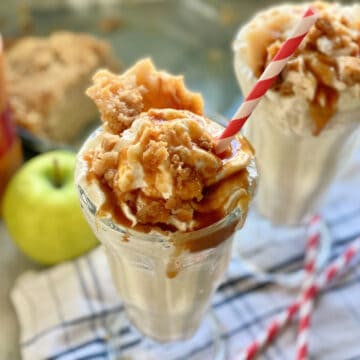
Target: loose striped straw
[
  {"x": 280, "y": 322},
  {"x": 306, "y": 308},
  {"x": 266, "y": 80}
]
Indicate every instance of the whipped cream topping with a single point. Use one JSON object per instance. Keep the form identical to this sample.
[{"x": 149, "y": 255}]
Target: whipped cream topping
[
  {"x": 160, "y": 168},
  {"x": 321, "y": 80}
]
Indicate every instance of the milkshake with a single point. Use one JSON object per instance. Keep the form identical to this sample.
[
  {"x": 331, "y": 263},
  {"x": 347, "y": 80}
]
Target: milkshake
[
  {"x": 163, "y": 204},
  {"x": 304, "y": 130}
]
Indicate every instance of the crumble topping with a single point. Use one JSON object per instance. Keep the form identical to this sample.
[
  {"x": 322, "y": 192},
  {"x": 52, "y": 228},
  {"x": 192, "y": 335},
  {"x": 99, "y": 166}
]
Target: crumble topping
[
  {"x": 46, "y": 75},
  {"x": 326, "y": 63},
  {"x": 155, "y": 156},
  {"x": 121, "y": 98}
]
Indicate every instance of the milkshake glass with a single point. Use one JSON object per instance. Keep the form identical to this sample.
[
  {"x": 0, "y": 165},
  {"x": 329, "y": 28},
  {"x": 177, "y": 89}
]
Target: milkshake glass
[
  {"x": 165, "y": 296},
  {"x": 163, "y": 204},
  {"x": 165, "y": 282},
  {"x": 297, "y": 163}
]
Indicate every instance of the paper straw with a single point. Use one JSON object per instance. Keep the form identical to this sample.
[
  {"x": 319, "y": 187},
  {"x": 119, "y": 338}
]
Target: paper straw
[
  {"x": 266, "y": 80},
  {"x": 306, "y": 308},
  {"x": 280, "y": 322}
]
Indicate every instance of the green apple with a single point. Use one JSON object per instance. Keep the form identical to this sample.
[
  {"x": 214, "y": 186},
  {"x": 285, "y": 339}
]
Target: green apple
[{"x": 41, "y": 210}]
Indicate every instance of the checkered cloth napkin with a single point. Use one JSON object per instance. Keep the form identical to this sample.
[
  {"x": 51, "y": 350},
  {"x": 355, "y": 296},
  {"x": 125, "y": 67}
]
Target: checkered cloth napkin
[{"x": 72, "y": 311}]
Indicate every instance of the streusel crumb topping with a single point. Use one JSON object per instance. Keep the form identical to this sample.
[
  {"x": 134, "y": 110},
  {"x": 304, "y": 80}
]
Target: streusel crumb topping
[
  {"x": 155, "y": 159},
  {"x": 326, "y": 63}
]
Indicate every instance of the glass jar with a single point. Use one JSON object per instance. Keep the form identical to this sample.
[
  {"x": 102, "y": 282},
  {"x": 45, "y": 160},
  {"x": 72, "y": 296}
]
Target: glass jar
[{"x": 10, "y": 146}]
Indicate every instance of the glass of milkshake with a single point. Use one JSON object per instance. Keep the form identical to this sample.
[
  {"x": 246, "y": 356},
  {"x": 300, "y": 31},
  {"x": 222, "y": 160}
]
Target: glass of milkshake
[
  {"x": 164, "y": 206},
  {"x": 306, "y": 127}
]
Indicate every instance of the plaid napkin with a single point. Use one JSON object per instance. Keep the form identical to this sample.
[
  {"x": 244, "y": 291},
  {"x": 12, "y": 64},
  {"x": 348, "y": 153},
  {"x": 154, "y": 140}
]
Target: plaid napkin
[{"x": 72, "y": 311}]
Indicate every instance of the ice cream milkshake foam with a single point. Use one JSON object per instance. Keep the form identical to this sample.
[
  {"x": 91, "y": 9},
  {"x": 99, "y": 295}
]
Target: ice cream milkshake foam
[
  {"x": 304, "y": 129},
  {"x": 160, "y": 200}
]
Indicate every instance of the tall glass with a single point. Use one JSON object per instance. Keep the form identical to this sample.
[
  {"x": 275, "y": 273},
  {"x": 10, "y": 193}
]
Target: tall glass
[
  {"x": 296, "y": 168},
  {"x": 165, "y": 282},
  {"x": 296, "y": 172}
]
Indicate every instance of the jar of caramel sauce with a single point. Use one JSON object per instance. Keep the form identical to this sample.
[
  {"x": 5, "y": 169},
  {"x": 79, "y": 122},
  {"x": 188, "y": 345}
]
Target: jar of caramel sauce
[{"x": 10, "y": 146}]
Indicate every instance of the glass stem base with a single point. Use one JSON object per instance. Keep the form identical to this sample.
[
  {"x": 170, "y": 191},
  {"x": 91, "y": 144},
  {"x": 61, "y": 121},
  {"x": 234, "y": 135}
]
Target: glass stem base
[
  {"x": 206, "y": 343},
  {"x": 275, "y": 253}
]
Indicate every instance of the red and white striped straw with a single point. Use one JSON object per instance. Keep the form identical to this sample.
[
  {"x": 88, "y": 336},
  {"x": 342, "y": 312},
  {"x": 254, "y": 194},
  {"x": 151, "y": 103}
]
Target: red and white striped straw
[
  {"x": 280, "y": 322},
  {"x": 306, "y": 308},
  {"x": 272, "y": 331},
  {"x": 337, "y": 266},
  {"x": 266, "y": 80}
]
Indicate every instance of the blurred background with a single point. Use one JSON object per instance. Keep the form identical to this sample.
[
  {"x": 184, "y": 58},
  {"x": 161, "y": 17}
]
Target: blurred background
[{"x": 189, "y": 37}]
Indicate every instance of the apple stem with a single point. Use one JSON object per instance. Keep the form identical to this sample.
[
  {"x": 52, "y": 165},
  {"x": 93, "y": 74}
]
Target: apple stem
[{"x": 57, "y": 174}]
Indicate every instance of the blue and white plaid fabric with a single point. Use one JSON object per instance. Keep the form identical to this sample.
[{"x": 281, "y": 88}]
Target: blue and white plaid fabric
[{"x": 72, "y": 311}]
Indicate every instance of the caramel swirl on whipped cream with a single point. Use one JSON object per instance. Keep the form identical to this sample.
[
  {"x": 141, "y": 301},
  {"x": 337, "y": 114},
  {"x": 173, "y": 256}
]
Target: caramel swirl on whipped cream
[
  {"x": 154, "y": 157},
  {"x": 327, "y": 62}
]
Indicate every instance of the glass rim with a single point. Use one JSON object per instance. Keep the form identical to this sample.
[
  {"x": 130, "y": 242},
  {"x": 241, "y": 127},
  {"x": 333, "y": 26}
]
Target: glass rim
[{"x": 237, "y": 214}]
